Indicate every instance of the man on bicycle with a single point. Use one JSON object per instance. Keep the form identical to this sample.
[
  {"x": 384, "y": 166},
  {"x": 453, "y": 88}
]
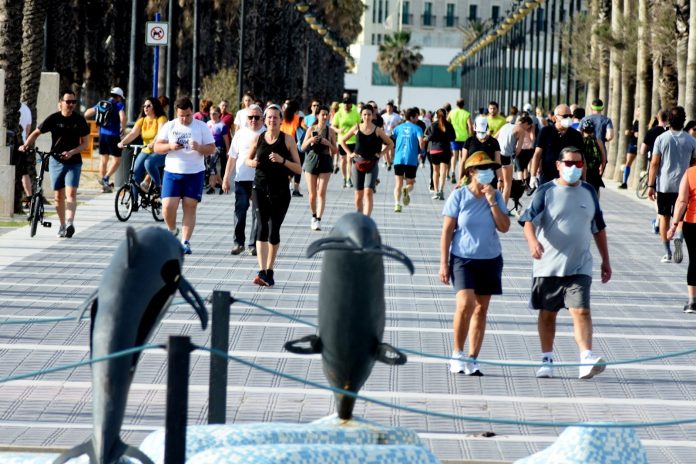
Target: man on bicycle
[{"x": 69, "y": 136}]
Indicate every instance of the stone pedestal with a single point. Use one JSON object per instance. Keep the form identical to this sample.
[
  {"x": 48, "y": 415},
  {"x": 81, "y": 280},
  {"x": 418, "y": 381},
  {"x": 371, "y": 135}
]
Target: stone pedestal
[{"x": 7, "y": 171}]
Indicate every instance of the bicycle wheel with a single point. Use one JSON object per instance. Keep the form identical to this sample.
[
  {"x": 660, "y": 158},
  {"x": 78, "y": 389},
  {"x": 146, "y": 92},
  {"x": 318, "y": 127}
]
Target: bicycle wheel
[
  {"x": 156, "y": 207},
  {"x": 642, "y": 188},
  {"x": 36, "y": 211},
  {"x": 124, "y": 203}
]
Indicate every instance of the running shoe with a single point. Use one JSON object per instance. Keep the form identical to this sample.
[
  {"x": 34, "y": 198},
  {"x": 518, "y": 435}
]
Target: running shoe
[
  {"x": 623, "y": 186},
  {"x": 591, "y": 367},
  {"x": 186, "y": 247},
  {"x": 678, "y": 255},
  {"x": 350, "y": 183},
  {"x": 69, "y": 231},
  {"x": 237, "y": 250},
  {"x": 260, "y": 279},
  {"x": 296, "y": 193},
  {"x": 436, "y": 196},
  {"x": 269, "y": 278},
  {"x": 457, "y": 363},
  {"x": 666, "y": 258},
  {"x": 472, "y": 368},
  {"x": 655, "y": 226},
  {"x": 397, "y": 208},
  {"x": 61, "y": 231},
  {"x": 252, "y": 250},
  {"x": 407, "y": 197},
  {"x": 315, "y": 224},
  {"x": 690, "y": 308},
  {"x": 546, "y": 370}
]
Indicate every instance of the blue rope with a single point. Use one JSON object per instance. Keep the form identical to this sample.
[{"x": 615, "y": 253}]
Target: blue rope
[
  {"x": 118, "y": 354},
  {"x": 36, "y": 320},
  {"x": 277, "y": 313},
  {"x": 444, "y": 414}
]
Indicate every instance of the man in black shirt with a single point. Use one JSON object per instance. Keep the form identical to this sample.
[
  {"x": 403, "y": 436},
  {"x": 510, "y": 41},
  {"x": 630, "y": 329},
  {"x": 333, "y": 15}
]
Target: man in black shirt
[
  {"x": 652, "y": 135},
  {"x": 482, "y": 141},
  {"x": 69, "y": 136},
  {"x": 551, "y": 140}
]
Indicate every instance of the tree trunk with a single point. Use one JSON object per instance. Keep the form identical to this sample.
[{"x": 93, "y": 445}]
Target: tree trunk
[
  {"x": 690, "y": 93},
  {"x": 628, "y": 92},
  {"x": 603, "y": 19},
  {"x": 32, "y": 52},
  {"x": 682, "y": 24},
  {"x": 399, "y": 94},
  {"x": 593, "y": 84},
  {"x": 614, "y": 101},
  {"x": 655, "y": 73},
  {"x": 643, "y": 64}
]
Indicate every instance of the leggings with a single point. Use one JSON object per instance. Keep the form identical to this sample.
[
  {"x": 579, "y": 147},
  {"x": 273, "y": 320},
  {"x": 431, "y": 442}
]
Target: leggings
[
  {"x": 297, "y": 177},
  {"x": 689, "y": 230},
  {"x": 270, "y": 212}
]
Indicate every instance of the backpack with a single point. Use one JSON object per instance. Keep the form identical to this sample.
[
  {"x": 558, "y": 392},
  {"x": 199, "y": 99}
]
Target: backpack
[
  {"x": 593, "y": 157},
  {"x": 104, "y": 111}
]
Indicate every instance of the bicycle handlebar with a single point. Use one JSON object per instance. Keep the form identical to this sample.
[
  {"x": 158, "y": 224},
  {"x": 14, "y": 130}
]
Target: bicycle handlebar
[
  {"x": 42, "y": 154},
  {"x": 129, "y": 145}
]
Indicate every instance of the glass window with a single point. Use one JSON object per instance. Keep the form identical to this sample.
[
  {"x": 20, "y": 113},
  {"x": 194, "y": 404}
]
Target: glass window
[
  {"x": 379, "y": 13},
  {"x": 450, "y": 19},
  {"x": 374, "y": 11},
  {"x": 473, "y": 11},
  {"x": 428, "y": 19},
  {"x": 405, "y": 12},
  {"x": 495, "y": 13},
  {"x": 425, "y": 76}
]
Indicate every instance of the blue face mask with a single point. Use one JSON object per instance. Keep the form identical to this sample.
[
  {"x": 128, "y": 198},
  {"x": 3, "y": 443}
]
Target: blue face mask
[
  {"x": 571, "y": 174},
  {"x": 485, "y": 176}
]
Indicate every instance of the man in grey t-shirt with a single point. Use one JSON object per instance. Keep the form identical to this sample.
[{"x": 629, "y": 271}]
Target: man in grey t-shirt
[
  {"x": 559, "y": 224},
  {"x": 672, "y": 154}
]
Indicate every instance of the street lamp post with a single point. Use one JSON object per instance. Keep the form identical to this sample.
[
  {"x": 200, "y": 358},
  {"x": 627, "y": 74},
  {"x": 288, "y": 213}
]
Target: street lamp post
[{"x": 240, "y": 63}]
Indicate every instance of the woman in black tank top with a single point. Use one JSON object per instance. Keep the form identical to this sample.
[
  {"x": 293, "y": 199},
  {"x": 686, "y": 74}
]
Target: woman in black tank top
[
  {"x": 319, "y": 143},
  {"x": 274, "y": 155},
  {"x": 369, "y": 141}
]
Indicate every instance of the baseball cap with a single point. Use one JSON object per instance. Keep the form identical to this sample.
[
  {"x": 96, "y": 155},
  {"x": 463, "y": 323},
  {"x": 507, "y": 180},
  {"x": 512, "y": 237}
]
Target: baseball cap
[
  {"x": 117, "y": 91},
  {"x": 481, "y": 125},
  {"x": 527, "y": 107}
]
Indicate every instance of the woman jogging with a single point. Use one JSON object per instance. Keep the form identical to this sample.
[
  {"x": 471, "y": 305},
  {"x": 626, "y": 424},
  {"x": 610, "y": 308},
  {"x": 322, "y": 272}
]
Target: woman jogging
[{"x": 319, "y": 143}]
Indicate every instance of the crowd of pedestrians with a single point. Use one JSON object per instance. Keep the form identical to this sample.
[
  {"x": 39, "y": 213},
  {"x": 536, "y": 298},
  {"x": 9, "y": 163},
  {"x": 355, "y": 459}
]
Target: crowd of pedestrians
[{"x": 262, "y": 151}]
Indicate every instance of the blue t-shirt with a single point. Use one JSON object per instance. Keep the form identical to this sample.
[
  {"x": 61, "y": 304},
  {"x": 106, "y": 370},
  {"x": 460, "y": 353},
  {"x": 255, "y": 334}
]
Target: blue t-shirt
[
  {"x": 601, "y": 124},
  {"x": 475, "y": 236},
  {"x": 114, "y": 125},
  {"x": 407, "y": 148},
  {"x": 219, "y": 130}
]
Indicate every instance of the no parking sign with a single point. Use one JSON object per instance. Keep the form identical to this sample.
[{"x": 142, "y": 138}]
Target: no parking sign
[{"x": 157, "y": 33}]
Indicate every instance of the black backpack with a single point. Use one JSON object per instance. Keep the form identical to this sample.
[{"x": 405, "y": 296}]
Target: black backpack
[{"x": 105, "y": 109}]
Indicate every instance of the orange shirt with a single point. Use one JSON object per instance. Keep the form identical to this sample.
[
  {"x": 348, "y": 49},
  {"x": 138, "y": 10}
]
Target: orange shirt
[
  {"x": 690, "y": 215},
  {"x": 290, "y": 127}
]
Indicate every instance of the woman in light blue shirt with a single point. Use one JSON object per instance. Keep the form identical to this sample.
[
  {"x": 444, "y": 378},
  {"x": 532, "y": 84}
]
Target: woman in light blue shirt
[{"x": 470, "y": 255}]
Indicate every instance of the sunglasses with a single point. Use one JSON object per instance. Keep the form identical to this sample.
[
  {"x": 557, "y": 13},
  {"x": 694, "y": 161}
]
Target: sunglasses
[
  {"x": 253, "y": 118},
  {"x": 570, "y": 163},
  {"x": 70, "y": 102},
  {"x": 564, "y": 115},
  {"x": 147, "y": 106}
]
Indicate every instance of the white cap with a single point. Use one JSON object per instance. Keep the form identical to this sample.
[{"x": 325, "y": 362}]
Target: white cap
[
  {"x": 527, "y": 107},
  {"x": 481, "y": 124},
  {"x": 117, "y": 91}
]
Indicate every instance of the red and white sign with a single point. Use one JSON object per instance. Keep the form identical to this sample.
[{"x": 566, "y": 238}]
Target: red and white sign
[{"x": 157, "y": 33}]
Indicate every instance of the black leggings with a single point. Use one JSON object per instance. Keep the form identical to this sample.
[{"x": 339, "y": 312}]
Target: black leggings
[
  {"x": 689, "y": 230},
  {"x": 296, "y": 177},
  {"x": 270, "y": 213}
]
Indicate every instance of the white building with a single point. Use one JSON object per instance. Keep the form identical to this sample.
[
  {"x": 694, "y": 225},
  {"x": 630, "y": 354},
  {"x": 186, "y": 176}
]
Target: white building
[{"x": 437, "y": 27}]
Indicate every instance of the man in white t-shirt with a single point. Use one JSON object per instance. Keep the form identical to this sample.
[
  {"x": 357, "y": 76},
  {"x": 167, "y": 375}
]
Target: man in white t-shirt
[
  {"x": 25, "y": 123},
  {"x": 185, "y": 141},
  {"x": 391, "y": 120},
  {"x": 244, "y": 177},
  {"x": 240, "y": 119}
]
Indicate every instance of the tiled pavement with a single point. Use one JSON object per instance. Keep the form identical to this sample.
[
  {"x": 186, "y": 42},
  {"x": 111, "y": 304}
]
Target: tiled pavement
[{"x": 637, "y": 314}]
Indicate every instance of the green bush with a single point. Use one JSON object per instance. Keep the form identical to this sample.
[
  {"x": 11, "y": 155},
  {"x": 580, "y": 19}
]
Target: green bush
[{"x": 221, "y": 86}]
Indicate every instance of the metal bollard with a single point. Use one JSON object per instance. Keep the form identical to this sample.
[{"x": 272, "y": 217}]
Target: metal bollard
[
  {"x": 179, "y": 349},
  {"x": 219, "y": 340}
]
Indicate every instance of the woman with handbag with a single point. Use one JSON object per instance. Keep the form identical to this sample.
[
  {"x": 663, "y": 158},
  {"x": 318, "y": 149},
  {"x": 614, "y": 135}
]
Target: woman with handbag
[
  {"x": 365, "y": 166},
  {"x": 319, "y": 143}
]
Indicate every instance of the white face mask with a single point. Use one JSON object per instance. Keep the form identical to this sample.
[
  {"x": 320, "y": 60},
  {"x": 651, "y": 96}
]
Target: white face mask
[
  {"x": 566, "y": 122},
  {"x": 571, "y": 174},
  {"x": 485, "y": 176},
  {"x": 481, "y": 135}
]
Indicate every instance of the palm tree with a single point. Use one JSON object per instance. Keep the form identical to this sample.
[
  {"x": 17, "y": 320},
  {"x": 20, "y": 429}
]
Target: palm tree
[
  {"x": 32, "y": 51},
  {"x": 690, "y": 93},
  {"x": 643, "y": 74},
  {"x": 473, "y": 30},
  {"x": 628, "y": 85},
  {"x": 399, "y": 60},
  {"x": 681, "y": 8},
  {"x": 616, "y": 47}
]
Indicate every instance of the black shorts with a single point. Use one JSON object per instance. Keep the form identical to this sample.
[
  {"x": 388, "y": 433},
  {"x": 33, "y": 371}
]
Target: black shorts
[
  {"x": 444, "y": 157},
  {"x": 666, "y": 202},
  {"x": 405, "y": 170},
  {"x": 316, "y": 164},
  {"x": 553, "y": 293},
  {"x": 522, "y": 160},
  {"x": 505, "y": 160},
  {"x": 342, "y": 152},
  {"x": 484, "y": 276},
  {"x": 108, "y": 145}
]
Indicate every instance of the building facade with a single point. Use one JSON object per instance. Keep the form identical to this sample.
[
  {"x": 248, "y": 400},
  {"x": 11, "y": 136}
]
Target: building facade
[{"x": 439, "y": 27}]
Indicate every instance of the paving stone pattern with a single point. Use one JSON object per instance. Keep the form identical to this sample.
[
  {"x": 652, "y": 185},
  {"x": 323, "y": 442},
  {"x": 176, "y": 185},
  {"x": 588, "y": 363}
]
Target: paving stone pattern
[{"x": 637, "y": 314}]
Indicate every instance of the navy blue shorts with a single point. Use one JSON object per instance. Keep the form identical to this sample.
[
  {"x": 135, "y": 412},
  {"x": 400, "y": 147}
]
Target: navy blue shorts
[
  {"x": 457, "y": 145},
  {"x": 484, "y": 276},
  {"x": 183, "y": 185},
  {"x": 108, "y": 145}
]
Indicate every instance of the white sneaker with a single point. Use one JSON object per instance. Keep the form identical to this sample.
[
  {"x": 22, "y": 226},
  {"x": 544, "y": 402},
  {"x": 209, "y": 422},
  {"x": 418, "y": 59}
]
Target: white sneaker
[
  {"x": 457, "y": 364},
  {"x": 666, "y": 259},
  {"x": 473, "y": 369},
  {"x": 315, "y": 224},
  {"x": 61, "y": 231},
  {"x": 545, "y": 371},
  {"x": 591, "y": 367}
]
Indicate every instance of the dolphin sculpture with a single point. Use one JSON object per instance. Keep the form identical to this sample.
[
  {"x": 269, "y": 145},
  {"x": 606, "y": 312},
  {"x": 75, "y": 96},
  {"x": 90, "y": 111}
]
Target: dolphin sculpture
[
  {"x": 351, "y": 307},
  {"x": 135, "y": 291}
]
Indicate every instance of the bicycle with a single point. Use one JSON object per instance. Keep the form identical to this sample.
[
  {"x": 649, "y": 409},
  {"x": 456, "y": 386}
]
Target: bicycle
[
  {"x": 642, "y": 187},
  {"x": 36, "y": 204},
  {"x": 124, "y": 202}
]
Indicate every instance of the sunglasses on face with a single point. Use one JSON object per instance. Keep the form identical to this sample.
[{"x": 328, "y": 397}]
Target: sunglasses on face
[
  {"x": 570, "y": 163},
  {"x": 70, "y": 102},
  {"x": 147, "y": 106},
  {"x": 564, "y": 115},
  {"x": 253, "y": 118}
]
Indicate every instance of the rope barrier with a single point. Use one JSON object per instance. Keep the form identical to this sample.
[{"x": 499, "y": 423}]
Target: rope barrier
[
  {"x": 277, "y": 313},
  {"x": 444, "y": 414},
  {"x": 118, "y": 354},
  {"x": 37, "y": 320}
]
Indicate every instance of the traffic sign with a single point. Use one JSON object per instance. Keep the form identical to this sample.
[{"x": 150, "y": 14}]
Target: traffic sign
[{"x": 157, "y": 33}]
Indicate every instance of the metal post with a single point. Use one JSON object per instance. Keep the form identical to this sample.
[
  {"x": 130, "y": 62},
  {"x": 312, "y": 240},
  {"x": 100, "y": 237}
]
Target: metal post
[
  {"x": 155, "y": 71},
  {"x": 520, "y": 63},
  {"x": 240, "y": 63},
  {"x": 179, "y": 350},
  {"x": 537, "y": 27},
  {"x": 571, "y": 14},
  {"x": 171, "y": 17},
  {"x": 500, "y": 51},
  {"x": 133, "y": 102},
  {"x": 559, "y": 73},
  {"x": 194, "y": 58},
  {"x": 528, "y": 62},
  {"x": 552, "y": 20},
  {"x": 219, "y": 340},
  {"x": 510, "y": 69}
]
